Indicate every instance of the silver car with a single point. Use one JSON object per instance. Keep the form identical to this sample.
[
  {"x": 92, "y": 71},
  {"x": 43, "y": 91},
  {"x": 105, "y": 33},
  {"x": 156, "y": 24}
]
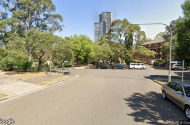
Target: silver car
[
  {"x": 177, "y": 67},
  {"x": 179, "y": 93}
]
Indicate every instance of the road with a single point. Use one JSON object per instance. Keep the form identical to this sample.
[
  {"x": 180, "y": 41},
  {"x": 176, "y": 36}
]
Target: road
[{"x": 96, "y": 97}]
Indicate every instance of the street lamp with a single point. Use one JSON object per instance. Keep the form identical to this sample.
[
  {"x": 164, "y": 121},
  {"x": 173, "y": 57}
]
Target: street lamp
[{"x": 169, "y": 75}]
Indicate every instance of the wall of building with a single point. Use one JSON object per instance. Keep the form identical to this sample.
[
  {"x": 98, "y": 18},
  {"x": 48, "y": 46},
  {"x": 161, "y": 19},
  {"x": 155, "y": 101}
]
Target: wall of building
[{"x": 103, "y": 26}]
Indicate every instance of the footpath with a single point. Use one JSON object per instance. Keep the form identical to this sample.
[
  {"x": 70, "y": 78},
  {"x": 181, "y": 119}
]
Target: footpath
[
  {"x": 13, "y": 85},
  {"x": 164, "y": 79}
]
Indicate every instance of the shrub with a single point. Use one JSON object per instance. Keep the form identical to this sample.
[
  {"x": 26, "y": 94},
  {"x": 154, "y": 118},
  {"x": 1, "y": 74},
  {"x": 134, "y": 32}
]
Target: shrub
[{"x": 156, "y": 63}]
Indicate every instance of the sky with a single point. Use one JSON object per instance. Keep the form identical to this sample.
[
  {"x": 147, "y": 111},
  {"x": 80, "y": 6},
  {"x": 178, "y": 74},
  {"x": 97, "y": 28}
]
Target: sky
[{"x": 79, "y": 16}]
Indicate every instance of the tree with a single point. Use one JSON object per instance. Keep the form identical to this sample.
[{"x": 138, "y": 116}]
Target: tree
[
  {"x": 159, "y": 36},
  {"x": 39, "y": 44},
  {"x": 166, "y": 51},
  {"x": 62, "y": 50},
  {"x": 167, "y": 35},
  {"x": 126, "y": 35},
  {"x": 15, "y": 54},
  {"x": 186, "y": 8},
  {"x": 101, "y": 51},
  {"x": 144, "y": 52},
  {"x": 81, "y": 47},
  {"x": 123, "y": 32},
  {"x": 148, "y": 39},
  {"x": 183, "y": 35},
  {"x": 7, "y": 28},
  {"x": 34, "y": 14}
]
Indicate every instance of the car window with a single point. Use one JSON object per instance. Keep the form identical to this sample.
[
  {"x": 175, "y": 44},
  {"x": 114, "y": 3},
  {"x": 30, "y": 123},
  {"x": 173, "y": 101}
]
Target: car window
[
  {"x": 138, "y": 64},
  {"x": 178, "y": 87},
  {"x": 172, "y": 85},
  {"x": 187, "y": 90}
]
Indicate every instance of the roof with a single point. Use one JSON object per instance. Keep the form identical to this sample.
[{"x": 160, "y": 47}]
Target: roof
[{"x": 155, "y": 41}]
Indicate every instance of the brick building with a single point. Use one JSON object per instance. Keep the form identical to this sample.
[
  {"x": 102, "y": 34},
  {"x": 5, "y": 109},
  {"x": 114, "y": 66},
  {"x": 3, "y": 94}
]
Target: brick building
[{"x": 157, "y": 47}]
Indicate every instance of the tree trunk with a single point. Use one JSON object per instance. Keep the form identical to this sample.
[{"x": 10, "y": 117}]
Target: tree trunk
[
  {"x": 29, "y": 19},
  {"x": 39, "y": 64}
]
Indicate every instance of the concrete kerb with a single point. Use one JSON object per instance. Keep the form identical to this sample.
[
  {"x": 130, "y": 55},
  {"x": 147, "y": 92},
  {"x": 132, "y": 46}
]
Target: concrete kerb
[
  {"x": 8, "y": 98},
  {"x": 157, "y": 82}
]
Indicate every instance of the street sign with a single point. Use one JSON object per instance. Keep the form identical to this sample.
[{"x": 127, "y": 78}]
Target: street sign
[
  {"x": 176, "y": 62},
  {"x": 49, "y": 62}
]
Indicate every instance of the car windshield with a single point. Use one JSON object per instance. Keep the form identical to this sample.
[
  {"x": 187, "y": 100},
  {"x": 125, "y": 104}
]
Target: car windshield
[{"x": 187, "y": 90}]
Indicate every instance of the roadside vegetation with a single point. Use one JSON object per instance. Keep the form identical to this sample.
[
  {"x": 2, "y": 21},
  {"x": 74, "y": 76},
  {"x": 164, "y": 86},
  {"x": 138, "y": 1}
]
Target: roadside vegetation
[
  {"x": 2, "y": 95},
  {"x": 27, "y": 33}
]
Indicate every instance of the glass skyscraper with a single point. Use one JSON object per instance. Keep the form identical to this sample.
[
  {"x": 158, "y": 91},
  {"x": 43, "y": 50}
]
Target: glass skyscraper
[{"x": 103, "y": 26}]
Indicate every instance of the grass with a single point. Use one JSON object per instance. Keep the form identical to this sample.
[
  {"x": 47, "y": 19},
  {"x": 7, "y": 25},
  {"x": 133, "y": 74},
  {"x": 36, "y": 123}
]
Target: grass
[
  {"x": 29, "y": 75},
  {"x": 53, "y": 80},
  {"x": 2, "y": 95}
]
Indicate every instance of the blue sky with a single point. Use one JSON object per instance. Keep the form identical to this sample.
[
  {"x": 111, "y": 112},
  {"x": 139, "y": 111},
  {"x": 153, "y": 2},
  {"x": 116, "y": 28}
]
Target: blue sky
[{"x": 79, "y": 16}]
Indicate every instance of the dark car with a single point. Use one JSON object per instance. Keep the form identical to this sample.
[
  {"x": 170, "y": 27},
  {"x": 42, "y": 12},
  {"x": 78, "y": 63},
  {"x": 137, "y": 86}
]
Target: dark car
[
  {"x": 103, "y": 67},
  {"x": 118, "y": 66}
]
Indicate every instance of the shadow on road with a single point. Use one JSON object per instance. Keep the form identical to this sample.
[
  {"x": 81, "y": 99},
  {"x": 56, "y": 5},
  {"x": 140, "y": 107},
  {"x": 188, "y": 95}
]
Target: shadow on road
[
  {"x": 186, "y": 74},
  {"x": 152, "y": 77},
  {"x": 152, "y": 109}
]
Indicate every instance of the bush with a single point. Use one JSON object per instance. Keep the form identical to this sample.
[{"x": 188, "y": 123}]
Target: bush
[
  {"x": 137, "y": 61},
  {"x": 156, "y": 63},
  {"x": 25, "y": 65}
]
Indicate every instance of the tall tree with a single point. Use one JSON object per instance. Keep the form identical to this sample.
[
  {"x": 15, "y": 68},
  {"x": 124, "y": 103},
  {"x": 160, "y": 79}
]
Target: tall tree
[
  {"x": 126, "y": 35},
  {"x": 159, "y": 36},
  {"x": 183, "y": 34},
  {"x": 81, "y": 47},
  {"x": 34, "y": 14},
  {"x": 15, "y": 54},
  {"x": 62, "y": 50},
  {"x": 39, "y": 44}
]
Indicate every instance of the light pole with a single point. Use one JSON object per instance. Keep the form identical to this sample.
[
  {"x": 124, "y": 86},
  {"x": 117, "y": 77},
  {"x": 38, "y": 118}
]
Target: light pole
[{"x": 169, "y": 75}]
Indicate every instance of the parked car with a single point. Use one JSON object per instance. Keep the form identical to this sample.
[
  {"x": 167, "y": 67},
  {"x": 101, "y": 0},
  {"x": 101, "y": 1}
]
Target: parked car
[
  {"x": 137, "y": 66},
  {"x": 179, "y": 93},
  {"x": 118, "y": 66},
  {"x": 177, "y": 67},
  {"x": 103, "y": 67}
]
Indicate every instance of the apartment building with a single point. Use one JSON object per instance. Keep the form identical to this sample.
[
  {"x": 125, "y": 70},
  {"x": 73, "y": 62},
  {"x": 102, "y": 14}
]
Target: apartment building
[{"x": 157, "y": 47}]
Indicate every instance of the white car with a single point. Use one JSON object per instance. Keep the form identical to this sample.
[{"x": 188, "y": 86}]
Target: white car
[{"x": 137, "y": 66}]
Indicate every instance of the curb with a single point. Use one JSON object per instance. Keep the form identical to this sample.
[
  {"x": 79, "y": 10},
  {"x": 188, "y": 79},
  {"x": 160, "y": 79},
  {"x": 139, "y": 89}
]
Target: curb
[
  {"x": 7, "y": 98},
  {"x": 156, "y": 81}
]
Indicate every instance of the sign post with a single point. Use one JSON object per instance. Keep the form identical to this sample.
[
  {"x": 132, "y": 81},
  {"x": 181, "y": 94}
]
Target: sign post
[{"x": 49, "y": 63}]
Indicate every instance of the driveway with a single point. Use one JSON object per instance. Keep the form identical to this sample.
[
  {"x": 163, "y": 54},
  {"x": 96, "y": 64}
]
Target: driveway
[{"x": 97, "y": 97}]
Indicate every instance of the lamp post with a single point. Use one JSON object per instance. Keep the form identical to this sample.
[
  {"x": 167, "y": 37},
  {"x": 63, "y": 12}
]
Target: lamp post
[{"x": 169, "y": 75}]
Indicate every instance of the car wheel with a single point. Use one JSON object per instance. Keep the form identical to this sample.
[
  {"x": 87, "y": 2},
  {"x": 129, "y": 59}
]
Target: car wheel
[
  {"x": 142, "y": 68},
  {"x": 187, "y": 112},
  {"x": 98, "y": 67},
  {"x": 108, "y": 68},
  {"x": 133, "y": 68},
  {"x": 114, "y": 68},
  {"x": 164, "y": 96},
  {"x": 176, "y": 69}
]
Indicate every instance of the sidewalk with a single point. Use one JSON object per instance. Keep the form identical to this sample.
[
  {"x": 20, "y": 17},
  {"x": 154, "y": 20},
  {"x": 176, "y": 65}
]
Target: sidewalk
[
  {"x": 161, "y": 80},
  {"x": 12, "y": 88}
]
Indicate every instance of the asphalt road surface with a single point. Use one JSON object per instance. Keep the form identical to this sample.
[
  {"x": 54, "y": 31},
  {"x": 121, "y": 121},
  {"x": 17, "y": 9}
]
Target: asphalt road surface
[{"x": 96, "y": 97}]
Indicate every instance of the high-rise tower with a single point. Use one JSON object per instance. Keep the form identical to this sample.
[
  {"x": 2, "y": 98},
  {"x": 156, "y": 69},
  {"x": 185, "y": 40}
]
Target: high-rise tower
[{"x": 103, "y": 26}]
